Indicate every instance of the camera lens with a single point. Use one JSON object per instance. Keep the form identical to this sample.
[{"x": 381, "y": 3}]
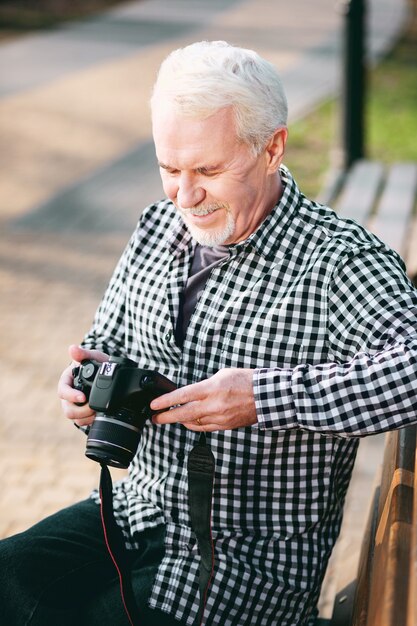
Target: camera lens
[{"x": 112, "y": 440}]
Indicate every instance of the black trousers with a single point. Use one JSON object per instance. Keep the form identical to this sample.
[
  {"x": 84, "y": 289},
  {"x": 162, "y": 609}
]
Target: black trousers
[{"x": 59, "y": 573}]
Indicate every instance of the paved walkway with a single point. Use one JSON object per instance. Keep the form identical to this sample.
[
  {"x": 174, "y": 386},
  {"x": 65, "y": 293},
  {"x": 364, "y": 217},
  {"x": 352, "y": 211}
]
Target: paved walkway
[{"x": 77, "y": 168}]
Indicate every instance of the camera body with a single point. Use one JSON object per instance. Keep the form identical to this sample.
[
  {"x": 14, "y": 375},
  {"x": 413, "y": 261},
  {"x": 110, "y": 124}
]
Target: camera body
[{"x": 120, "y": 393}]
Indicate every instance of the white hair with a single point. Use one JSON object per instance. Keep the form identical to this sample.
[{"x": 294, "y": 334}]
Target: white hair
[{"x": 207, "y": 76}]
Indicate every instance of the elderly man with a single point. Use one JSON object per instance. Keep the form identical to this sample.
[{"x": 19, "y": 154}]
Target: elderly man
[{"x": 289, "y": 333}]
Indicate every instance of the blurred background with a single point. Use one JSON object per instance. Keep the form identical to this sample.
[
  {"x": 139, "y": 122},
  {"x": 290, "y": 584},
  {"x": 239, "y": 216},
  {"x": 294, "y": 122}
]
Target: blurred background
[{"x": 78, "y": 167}]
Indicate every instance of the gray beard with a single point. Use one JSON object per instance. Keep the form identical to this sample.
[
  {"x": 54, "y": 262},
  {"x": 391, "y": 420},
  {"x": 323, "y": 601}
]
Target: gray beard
[{"x": 207, "y": 237}]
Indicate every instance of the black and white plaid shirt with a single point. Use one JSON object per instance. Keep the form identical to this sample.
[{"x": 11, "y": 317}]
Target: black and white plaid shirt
[{"x": 324, "y": 312}]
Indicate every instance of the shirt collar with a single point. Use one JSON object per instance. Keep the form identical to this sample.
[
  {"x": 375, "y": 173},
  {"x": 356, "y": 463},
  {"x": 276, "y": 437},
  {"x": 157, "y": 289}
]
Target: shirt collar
[
  {"x": 179, "y": 238},
  {"x": 268, "y": 239}
]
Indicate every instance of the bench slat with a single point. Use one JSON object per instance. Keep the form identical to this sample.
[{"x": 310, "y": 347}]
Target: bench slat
[
  {"x": 392, "y": 221},
  {"x": 398, "y": 455},
  {"x": 384, "y": 592},
  {"x": 360, "y": 191},
  {"x": 382, "y": 588},
  {"x": 412, "y": 588},
  {"x": 411, "y": 251}
]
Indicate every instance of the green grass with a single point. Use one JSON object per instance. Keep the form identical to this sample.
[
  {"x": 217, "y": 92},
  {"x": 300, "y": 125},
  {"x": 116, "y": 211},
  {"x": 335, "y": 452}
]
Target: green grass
[
  {"x": 309, "y": 147},
  {"x": 392, "y": 110},
  {"x": 391, "y": 120}
]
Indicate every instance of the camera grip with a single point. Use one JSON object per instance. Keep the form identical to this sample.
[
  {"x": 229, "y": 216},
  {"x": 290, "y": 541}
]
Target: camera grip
[
  {"x": 156, "y": 383},
  {"x": 84, "y": 376}
]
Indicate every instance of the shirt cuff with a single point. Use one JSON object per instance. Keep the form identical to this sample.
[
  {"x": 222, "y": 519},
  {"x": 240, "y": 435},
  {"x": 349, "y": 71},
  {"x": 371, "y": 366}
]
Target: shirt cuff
[{"x": 274, "y": 399}]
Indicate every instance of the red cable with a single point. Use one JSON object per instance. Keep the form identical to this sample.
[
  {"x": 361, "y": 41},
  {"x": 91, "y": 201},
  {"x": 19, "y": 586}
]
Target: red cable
[{"x": 119, "y": 572}]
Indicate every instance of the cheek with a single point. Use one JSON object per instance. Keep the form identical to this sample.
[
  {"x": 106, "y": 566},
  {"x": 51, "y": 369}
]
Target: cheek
[{"x": 170, "y": 187}]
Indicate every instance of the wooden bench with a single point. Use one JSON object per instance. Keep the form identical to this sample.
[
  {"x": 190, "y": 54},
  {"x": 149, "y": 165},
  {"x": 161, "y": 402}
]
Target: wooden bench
[{"x": 383, "y": 589}]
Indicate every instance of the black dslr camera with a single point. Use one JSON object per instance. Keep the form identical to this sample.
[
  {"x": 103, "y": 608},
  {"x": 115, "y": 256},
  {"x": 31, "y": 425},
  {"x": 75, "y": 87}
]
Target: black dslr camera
[{"x": 120, "y": 393}]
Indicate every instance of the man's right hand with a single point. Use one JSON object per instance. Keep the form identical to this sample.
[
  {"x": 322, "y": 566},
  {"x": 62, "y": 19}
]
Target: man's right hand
[{"x": 80, "y": 415}]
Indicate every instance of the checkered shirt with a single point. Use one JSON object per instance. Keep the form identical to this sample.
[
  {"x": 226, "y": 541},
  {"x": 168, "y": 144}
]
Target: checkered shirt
[{"x": 323, "y": 311}]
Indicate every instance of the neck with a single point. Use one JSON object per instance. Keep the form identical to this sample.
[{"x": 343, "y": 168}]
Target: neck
[{"x": 277, "y": 189}]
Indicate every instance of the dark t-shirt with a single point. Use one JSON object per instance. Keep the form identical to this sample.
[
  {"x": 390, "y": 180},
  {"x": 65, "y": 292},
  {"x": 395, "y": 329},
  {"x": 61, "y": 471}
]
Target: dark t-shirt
[{"x": 205, "y": 258}]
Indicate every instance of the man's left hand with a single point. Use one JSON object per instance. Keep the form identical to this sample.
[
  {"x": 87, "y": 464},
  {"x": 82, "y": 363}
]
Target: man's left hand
[{"x": 222, "y": 402}]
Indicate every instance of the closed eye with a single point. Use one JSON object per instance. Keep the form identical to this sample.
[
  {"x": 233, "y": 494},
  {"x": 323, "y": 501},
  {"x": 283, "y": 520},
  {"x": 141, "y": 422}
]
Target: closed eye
[
  {"x": 168, "y": 170},
  {"x": 205, "y": 171}
]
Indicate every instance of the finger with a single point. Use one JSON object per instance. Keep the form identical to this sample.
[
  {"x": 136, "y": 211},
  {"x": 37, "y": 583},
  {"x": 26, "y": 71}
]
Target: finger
[
  {"x": 77, "y": 413},
  {"x": 66, "y": 390},
  {"x": 85, "y": 422},
  {"x": 78, "y": 354},
  {"x": 181, "y": 396},
  {"x": 206, "y": 428},
  {"x": 180, "y": 414}
]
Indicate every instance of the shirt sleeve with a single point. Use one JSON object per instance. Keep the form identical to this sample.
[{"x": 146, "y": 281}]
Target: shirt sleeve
[
  {"x": 107, "y": 332},
  {"x": 369, "y": 384}
]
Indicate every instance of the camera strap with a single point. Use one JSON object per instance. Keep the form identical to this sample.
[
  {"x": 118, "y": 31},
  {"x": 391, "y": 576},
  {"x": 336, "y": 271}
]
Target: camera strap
[
  {"x": 116, "y": 547},
  {"x": 201, "y": 465}
]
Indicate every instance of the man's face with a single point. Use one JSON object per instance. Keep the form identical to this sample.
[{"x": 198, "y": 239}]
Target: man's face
[{"x": 221, "y": 189}]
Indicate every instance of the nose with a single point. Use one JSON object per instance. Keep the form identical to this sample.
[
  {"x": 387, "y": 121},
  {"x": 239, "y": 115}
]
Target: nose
[{"x": 189, "y": 193}]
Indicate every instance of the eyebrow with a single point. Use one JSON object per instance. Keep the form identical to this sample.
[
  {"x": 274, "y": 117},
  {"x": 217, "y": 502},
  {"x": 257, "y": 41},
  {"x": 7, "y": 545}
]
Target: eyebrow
[
  {"x": 165, "y": 167},
  {"x": 204, "y": 169}
]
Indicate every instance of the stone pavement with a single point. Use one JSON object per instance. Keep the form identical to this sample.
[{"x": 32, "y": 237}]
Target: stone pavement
[{"x": 78, "y": 166}]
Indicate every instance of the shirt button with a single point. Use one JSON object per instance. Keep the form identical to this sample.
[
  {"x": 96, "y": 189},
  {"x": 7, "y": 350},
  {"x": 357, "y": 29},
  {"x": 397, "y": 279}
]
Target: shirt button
[
  {"x": 175, "y": 515},
  {"x": 180, "y": 456},
  {"x": 168, "y": 336}
]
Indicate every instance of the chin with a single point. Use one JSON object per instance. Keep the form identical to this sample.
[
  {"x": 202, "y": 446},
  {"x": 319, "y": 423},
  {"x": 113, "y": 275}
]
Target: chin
[
  {"x": 212, "y": 238},
  {"x": 209, "y": 238}
]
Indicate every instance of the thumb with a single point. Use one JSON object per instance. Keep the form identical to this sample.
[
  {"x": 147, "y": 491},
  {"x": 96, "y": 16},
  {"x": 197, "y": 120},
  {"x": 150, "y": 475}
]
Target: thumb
[{"x": 78, "y": 354}]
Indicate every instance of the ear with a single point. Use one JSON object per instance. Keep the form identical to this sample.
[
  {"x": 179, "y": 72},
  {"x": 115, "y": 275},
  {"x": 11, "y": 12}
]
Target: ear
[{"x": 275, "y": 148}]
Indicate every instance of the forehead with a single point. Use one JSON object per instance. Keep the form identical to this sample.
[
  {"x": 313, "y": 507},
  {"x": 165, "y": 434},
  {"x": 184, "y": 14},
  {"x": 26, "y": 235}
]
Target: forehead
[{"x": 187, "y": 141}]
